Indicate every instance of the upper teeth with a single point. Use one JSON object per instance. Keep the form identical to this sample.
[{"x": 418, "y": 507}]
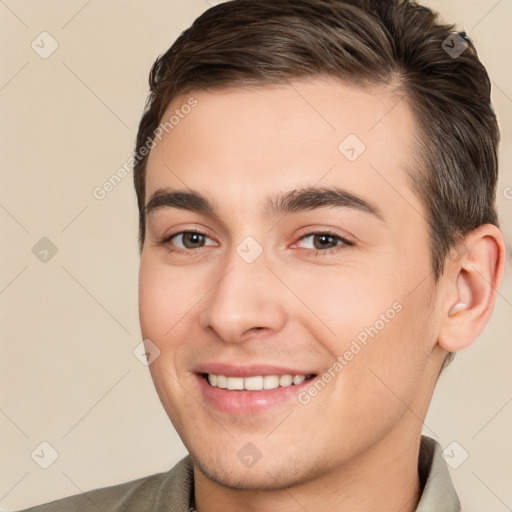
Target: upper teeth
[{"x": 255, "y": 383}]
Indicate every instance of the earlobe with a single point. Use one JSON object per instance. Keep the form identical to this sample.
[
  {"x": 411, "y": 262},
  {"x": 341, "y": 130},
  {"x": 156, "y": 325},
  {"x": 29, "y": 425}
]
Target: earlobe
[{"x": 472, "y": 282}]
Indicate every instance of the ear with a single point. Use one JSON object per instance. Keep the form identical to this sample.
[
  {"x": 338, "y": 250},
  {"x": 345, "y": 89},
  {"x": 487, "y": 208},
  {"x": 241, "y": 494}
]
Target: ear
[{"x": 472, "y": 276}]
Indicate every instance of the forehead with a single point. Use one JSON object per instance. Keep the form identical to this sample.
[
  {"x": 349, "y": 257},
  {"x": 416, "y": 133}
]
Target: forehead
[{"x": 240, "y": 144}]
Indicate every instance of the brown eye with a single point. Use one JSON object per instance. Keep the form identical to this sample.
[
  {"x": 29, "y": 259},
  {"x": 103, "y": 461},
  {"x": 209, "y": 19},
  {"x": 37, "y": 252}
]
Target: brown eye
[
  {"x": 186, "y": 241},
  {"x": 325, "y": 241},
  {"x": 191, "y": 239}
]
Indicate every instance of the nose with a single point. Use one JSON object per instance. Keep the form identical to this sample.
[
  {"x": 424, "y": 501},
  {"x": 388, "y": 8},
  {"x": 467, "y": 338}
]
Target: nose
[{"x": 247, "y": 298}]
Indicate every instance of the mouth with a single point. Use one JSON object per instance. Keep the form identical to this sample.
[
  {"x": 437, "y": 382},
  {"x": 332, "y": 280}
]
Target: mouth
[
  {"x": 251, "y": 392},
  {"x": 254, "y": 382}
]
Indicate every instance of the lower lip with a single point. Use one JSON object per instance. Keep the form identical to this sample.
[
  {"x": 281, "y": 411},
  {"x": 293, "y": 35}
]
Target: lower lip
[{"x": 246, "y": 403}]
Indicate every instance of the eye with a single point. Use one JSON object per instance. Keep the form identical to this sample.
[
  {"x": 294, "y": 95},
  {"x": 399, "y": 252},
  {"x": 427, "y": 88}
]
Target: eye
[
  {"x": 325, "y": 242},
  {"x": 185, "y": 241}
]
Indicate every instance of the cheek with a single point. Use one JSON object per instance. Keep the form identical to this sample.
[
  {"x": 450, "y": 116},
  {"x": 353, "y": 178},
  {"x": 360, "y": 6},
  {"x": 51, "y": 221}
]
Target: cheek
[
  {"x": 386, "y": 374},
  {"x": 372, "y": 321},
  {"x": 165, "y": 296},
  {"x": 346, "y": 302},
  {"x": 169, "y": 300},
  {"x": 153, "y": 297},
  {"x": 162, "y": 308}
]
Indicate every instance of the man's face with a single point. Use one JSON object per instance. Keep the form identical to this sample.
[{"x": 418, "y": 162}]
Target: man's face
[{"x": 264, "y": 292}]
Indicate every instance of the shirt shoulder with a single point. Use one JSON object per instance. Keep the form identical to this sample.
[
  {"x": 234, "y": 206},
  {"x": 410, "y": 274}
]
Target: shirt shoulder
[{"x": 161, "y": 492}]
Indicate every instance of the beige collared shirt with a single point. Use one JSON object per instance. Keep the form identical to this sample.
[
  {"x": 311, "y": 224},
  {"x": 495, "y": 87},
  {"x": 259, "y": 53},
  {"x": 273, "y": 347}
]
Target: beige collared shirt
[{"x": 171, "y": 491}]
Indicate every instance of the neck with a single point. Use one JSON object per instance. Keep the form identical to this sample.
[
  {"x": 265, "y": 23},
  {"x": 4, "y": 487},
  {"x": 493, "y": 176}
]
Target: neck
[{"x": 384, "y": 478}]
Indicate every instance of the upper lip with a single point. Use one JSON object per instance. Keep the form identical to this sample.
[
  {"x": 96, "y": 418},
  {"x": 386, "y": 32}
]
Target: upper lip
[{"x": 240, "y": 370}]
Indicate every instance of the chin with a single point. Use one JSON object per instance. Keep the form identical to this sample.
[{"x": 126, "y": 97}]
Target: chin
[{"x": 264, "y": 475}]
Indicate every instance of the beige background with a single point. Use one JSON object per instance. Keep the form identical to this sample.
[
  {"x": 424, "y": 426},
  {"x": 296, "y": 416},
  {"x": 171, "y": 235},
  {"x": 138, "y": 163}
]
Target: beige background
[{"x": 69, "y": 326}]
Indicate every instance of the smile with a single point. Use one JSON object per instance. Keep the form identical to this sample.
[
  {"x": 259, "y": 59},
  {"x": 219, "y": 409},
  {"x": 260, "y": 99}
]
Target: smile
[{"x": 256, "y": 382}]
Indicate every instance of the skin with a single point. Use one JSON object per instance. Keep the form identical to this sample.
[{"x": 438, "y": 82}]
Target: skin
[{"x": 355, "y": 445}]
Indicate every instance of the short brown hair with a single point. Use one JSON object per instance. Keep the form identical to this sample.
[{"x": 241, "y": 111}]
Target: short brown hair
[{"x": 364, "y": 42}]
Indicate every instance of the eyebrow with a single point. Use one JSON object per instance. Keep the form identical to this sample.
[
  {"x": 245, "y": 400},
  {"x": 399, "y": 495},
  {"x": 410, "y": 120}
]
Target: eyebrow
[{"x": 296, "y": 200}]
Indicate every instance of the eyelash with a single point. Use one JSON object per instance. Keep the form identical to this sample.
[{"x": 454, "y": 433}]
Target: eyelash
[{"x": 316, "y": 252}]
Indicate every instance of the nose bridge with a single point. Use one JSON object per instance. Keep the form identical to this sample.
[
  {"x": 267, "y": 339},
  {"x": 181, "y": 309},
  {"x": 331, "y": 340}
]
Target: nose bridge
[{"x": 246, "y": 296}]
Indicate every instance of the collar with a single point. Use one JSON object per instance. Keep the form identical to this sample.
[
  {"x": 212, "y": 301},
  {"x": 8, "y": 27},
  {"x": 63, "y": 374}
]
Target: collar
[{"x": 438, "y": 492}]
